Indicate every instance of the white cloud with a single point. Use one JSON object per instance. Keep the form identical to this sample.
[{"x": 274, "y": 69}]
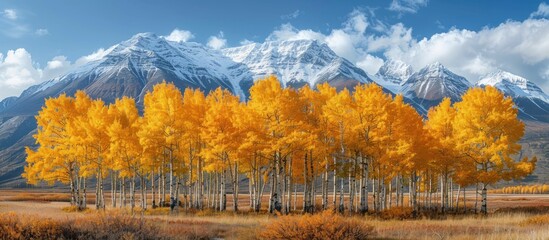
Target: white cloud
[
  {"x": 407, "y": 6},
  {"x": 518, "y": 47},
  {"x": 100, "y": 53},
  {"x": 290, "y": 16},
  {"x": 10, "y": 14},
  {"x": 217, "y": 42},
  {"x": 289, "y": 32},
  {"x": 56, "y": 67},
  {"x": 370, "y": 63},
  {"x": 41, "y": 32},
  {"x": 179, "y": 36},
  {"x": 18, "y": 71},
  {"x": 543, "y": 11},
  {"x": 246, "y": 42}
]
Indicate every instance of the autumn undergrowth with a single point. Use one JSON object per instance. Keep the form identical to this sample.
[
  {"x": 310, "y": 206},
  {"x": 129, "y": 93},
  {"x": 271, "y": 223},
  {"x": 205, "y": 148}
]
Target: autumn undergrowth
[
  {"x": 325, "y": 225},
  {"x": 97, "y": 226}
]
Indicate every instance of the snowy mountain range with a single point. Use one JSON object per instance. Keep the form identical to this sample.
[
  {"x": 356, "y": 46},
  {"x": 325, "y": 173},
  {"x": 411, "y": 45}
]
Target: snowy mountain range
[
  {"x": 297, "y": 63},
  {"x": 132, "y": 67}
]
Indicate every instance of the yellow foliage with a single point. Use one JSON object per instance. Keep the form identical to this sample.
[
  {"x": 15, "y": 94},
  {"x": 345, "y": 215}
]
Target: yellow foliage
[{"x": 523, "y": 189}]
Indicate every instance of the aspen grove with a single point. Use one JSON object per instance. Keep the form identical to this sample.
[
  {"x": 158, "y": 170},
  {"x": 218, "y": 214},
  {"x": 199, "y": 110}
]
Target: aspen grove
[{"x": 325, "y": 149}]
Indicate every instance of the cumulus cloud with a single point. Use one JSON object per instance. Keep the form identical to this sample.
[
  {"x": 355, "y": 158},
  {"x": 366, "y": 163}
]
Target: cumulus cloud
[
  {"x": 100, "y": 53},
  {"x": 217, "y": 42},
  {"x": 407, "y": 6},
  {"x": 289, "y": 32},
  {"x": 41, "y": 32},
  {"x": 246, "y": 42},
  {"x": 178, "y": 35},
  {"x": 10, "y": 14},
  {"x": 543, "y": 11},
  {"x": 18, "y": 71},
  {"x": 55, "y": 67},
  {"x": 370, "y": 63}
]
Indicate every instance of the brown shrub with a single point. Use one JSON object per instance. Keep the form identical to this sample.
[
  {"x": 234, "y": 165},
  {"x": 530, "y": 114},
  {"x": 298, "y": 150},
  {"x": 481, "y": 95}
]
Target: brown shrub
[
  {"x": 115, "y": 226},
  {"x": 326, "y": 225},
  {"x": 13, "y": 226},
  {"x": 399, "y": 213}
]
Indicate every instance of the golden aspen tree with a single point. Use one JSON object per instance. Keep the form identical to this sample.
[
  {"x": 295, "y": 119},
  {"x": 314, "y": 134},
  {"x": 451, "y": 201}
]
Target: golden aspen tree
[
  {"x": 48, "y": 163},
  {"x": 439, "y": 126},
  {"x": 125, "y": 149},
  {"x": 220, "y": 133},
  {"x": 326, "y": 134},
  {"x": 313, "y": 150},
  {"x": 296, "y": 140},
  {"x": 57, "y": 158},
  {"x": 487, "y": 131},
  {"x": 94, "y": 125},
  {"x": 278, "y": 111},
  {"x": 194, "y": 105},
  {"x": 372, "y": 109},
  {"x": 251, "y": 152},
  {"x": 339, "y": 111},
  {"x": 265, "y": 99},
  {"x": 163, "y": 125},
  {"x": 408, "y": 145}
]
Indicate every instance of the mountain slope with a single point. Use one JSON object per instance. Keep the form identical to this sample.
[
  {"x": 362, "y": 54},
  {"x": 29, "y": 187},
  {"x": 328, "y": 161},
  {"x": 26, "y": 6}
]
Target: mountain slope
[{"x": 531, "y": 101}]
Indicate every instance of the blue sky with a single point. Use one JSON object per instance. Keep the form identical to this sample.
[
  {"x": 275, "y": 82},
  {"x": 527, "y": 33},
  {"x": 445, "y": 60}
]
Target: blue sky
[{"x": 41, "y": 39}]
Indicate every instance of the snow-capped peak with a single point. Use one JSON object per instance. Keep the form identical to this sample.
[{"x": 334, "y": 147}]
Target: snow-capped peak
[
  {"x": 435, "y": 82},
  {"x": 392, "y": 74},
  {"x": 513, "y": 85},
  {"x": 394, "y": 71},
  {"x": 436, "y": 66}
]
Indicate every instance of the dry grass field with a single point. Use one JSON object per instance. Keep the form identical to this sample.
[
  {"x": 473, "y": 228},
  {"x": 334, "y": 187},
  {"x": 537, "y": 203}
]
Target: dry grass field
[{"x": 511, "y": 217}]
